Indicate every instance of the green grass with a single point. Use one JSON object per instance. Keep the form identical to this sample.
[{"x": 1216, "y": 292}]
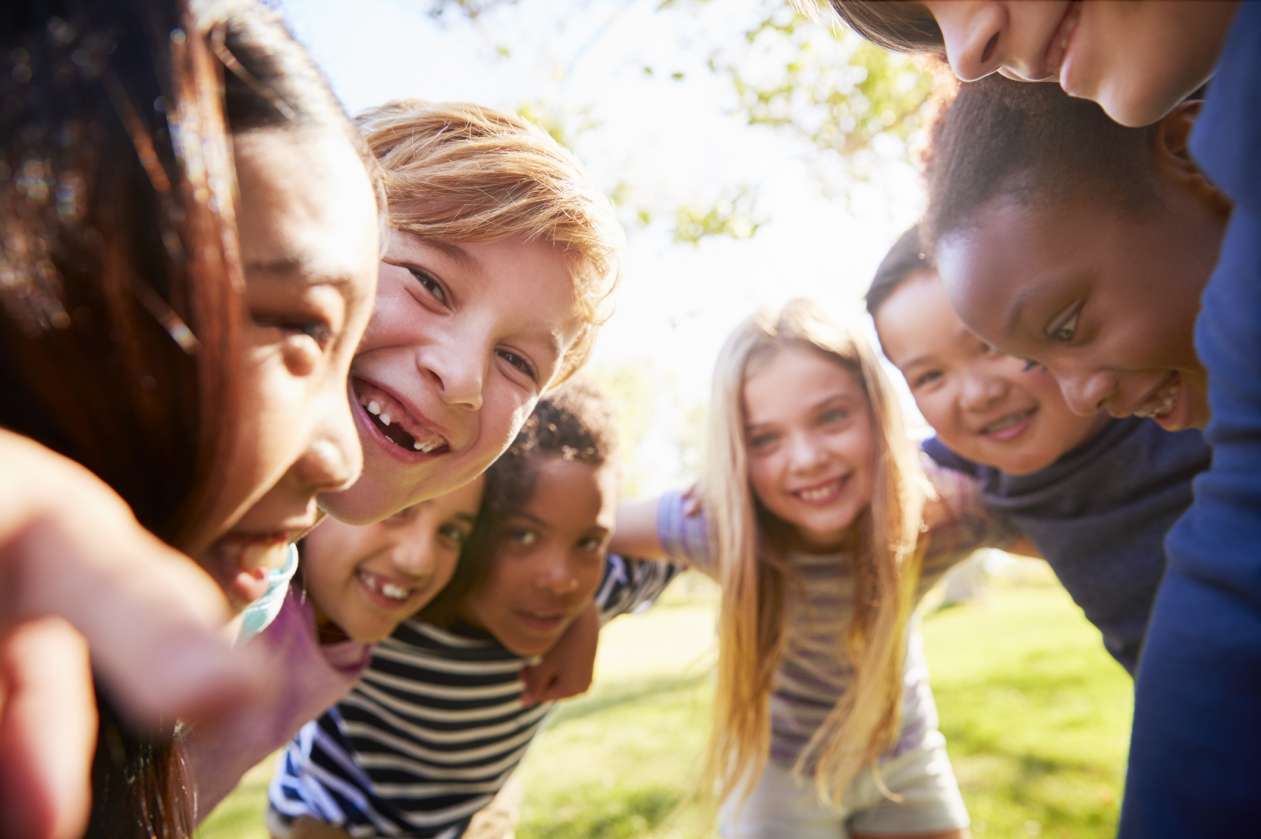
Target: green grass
[{"x": 1035, "y": 713}]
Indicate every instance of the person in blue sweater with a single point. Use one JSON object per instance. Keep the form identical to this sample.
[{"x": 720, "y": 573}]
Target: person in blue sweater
[
  {"x": 1197, "y": 719},
  {"x": 1095, "y": 496}
]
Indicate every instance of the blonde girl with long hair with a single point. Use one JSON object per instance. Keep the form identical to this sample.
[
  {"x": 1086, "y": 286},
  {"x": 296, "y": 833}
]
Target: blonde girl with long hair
[{"x": 822, "y": 528}]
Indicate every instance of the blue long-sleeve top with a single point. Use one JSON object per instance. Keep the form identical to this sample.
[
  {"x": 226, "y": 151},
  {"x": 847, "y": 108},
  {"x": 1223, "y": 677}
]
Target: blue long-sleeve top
[
  {"x": 1099, "y": 516},
  {"x": 1197, "y": 717}
]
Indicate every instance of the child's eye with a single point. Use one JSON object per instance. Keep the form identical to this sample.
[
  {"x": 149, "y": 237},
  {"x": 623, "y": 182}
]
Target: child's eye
[
  {"x": 430, "y": 284},
  {"x": 317, "y": 330},
  {"x": 520, "y": 362},
  {"x": 1030, "y": 365},
  {"x": 454, "y": 534},
  {"x": 1064, "y": 328},
  {"x": 591, "y": 544},
  {"x": 925, "y": 378},
  {"x": 523, "y": 536},
  {"x": 834, "y": 415},
  {"x": 761, "y": 441}
]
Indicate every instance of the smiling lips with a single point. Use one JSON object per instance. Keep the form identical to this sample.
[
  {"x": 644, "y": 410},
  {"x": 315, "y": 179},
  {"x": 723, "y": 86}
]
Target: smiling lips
[
  {"x": 541, "y": 621},
  {"x": 390, "y": 591},
  {"x": 1162, "y": 400},
  {"x": 1057, "y": 47},
  {"x": 395, "y": 422},
  {"x": 822, "y": 493},
  {"x": 1008, "y": 426}
]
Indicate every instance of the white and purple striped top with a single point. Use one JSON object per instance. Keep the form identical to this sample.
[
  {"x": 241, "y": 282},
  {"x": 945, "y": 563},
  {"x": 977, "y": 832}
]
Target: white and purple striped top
[{"x": 813, "y": 671}]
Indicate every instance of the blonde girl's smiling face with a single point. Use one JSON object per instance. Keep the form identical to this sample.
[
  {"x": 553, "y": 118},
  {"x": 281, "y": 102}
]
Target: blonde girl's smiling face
[
  {"x": 1138, "y": 60},
  {"x": 364, "y": 580},
  {"x": 548, "y": 557},
  {"x": 309, "y": 250},
  {"x": 1105, "y": 300},
  {"x": 986, "y": 406},
  {"x": 810, "y": 441},
  {"x": 463, "y": 341}
]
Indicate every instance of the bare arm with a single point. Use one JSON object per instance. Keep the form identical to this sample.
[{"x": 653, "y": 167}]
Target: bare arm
[
  {"x": 636, "y": 532},
  {"x": 79, "y": 576}
]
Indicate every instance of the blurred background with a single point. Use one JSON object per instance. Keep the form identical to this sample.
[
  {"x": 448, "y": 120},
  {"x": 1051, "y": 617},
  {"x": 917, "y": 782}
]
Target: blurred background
[{"x": 753, "y": 156}]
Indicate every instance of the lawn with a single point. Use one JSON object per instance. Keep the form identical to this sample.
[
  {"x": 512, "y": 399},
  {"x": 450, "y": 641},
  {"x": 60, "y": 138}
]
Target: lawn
[{"x": 1035, "y": 713}]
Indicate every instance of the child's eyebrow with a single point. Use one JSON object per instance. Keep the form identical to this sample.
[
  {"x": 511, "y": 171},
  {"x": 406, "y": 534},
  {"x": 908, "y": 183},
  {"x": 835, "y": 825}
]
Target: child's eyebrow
[
  {"x": 291, "y": 267},
  {"x": 456, "y": 254}
]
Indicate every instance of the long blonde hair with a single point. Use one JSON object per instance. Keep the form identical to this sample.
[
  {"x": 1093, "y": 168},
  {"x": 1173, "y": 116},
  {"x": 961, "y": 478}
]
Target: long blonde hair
[{"x": 754, "y": 576}]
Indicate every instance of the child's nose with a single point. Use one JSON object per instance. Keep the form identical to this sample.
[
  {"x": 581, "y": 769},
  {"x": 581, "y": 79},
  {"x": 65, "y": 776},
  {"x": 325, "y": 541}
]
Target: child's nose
[
  {"x": 333, "y": 459},
  {"x": 974, "y": 34},
  {"x": 459, "y": 373},
  {"x": 412, "y": 558},
  {"x": 558, "y": 578},
  {"x": 980, "y": 391},
  {"x": 1087, "y": 392}
]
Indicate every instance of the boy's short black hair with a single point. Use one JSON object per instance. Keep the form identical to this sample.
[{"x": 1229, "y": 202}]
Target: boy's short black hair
[
  {"x": 1033, "y": 144},
  {"x": 906, "y": 257}
]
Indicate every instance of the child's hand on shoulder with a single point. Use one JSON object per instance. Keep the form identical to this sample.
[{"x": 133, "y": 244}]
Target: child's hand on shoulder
[{"x": 567, "y": 668}]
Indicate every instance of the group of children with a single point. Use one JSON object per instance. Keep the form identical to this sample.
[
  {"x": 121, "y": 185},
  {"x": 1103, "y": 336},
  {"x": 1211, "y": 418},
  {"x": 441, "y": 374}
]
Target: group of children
[{"x": 205, "y": 345}]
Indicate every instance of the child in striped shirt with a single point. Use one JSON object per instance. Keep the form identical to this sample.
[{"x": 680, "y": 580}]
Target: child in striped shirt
[{"x": 438, "y": 723}]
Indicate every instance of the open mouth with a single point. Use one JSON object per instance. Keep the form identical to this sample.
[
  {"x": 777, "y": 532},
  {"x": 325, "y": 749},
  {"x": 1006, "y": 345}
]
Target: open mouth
[
  {"x": 1009, "y": 426},
  {"x": 386, "y": 591},
  {"x": 394, "y": 424},
  {"x": 1160, "y": 404},
  {"x": 823, "y": 493}
]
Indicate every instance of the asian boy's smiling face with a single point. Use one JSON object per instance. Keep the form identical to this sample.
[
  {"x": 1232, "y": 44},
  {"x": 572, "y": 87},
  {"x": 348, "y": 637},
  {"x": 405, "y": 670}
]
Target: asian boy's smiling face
[
  {"x": 984, "y": 405},
  {"x": 548, "y": 557},
  {"x": 364, "y": 580},
  {"x": 1105, "y": 299},
  {"x": 464, "y": 340},
  {"x": 1138, "y": 60}
]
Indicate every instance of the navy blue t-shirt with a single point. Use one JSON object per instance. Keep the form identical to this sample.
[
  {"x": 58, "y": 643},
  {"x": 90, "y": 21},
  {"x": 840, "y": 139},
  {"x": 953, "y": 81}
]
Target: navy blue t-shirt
[
  {"x": 1197, "y": 714},
  {"x": 1099, "y": 516}
]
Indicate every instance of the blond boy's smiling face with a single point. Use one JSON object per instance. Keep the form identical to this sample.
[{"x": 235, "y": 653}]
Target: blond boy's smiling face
[{"x": 464, "y": 340}]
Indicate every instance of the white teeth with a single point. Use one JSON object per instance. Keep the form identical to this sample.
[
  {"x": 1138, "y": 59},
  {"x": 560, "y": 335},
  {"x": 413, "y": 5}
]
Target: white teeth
[
  {"x": 385, "y": 419},
  {"x": 374, "y": 407},
  {"x": 394, "y": 591},
  {"x": 1161, "y": 403},
  {"x": 418, "y": 447}
]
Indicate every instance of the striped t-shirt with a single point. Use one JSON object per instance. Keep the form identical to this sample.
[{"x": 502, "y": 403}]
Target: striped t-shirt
[
  {"x": 432, "y": 730},
  {"x": 813, "y": 670}
]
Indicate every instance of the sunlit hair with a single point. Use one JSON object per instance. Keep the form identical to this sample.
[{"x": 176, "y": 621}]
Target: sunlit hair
[
  {"x": 574, "y": 422},
  {"x": 750, "y": 548},
  {"x": 905, "y": 259},
  {"x": 120, "y": 276},
  {"x": 458, "y": 172},
  {"x": 892, "y": 24}
]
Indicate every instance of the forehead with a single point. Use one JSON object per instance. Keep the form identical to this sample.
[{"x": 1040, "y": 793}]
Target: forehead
[
  {"x": 306, "y": 204},
  {"x": 792, "y": 379},
  {"x": 1012, "y": 257},
  {"x": 570, "y": 492},
  {"x": 917, "y": 318}
]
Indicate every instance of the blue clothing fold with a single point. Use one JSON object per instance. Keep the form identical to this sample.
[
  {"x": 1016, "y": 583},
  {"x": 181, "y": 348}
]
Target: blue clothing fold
[{"x": 1197, "y": 715}]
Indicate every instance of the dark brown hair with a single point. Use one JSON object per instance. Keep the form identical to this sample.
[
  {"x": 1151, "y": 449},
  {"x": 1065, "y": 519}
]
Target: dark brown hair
[
  {"x": 1035, "y": 145},
  {"x": 120, "y": 279},
  {"x": 905, "y": 258},
  {"x": 573, "y": 422},
  {"x": 893, "y": 24}
]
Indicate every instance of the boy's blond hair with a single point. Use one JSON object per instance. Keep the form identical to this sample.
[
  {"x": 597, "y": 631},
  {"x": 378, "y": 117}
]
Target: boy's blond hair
[{"x": 459, "y": 172}]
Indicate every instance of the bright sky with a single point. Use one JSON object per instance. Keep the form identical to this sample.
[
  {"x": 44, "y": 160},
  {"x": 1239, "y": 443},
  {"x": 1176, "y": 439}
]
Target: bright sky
[{"x": 671, "y": 141}]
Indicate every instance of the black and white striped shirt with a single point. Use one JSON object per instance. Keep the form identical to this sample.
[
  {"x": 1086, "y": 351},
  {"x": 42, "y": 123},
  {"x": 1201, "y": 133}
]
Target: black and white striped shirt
[{"x": 432, "y": 730}]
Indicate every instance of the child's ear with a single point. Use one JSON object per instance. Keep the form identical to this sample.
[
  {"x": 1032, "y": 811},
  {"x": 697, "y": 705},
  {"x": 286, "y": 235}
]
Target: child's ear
[{"x": 1173, "y": 154}]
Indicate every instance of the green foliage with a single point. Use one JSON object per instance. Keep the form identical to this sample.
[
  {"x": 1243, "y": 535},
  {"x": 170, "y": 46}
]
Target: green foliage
[{"x": 733, "y": 215}]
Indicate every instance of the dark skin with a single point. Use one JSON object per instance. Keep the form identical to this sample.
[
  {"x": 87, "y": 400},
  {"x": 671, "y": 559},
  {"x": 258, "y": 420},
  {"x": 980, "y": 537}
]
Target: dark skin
[{"x": 1104, "y": 297}]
